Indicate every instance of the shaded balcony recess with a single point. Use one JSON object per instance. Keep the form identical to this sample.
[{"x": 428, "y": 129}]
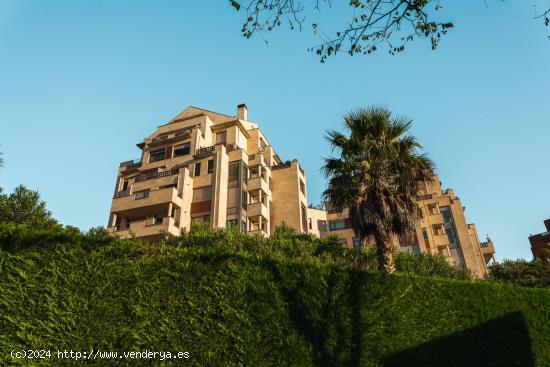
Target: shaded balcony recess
[{"x": 150, "y": 176}]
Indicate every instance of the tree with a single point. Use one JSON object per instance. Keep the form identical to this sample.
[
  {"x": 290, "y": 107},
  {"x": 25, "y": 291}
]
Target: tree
[
  {"x": 534, "y": 273},
  {"x": 392, "y": 23},
  {"x": 376, "y": 177},
  {"x": 24, "y": 206}
]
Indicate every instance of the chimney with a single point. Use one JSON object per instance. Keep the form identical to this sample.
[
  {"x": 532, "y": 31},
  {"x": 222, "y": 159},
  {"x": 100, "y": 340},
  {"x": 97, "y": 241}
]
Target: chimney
[{"x": 242, "y": 112}]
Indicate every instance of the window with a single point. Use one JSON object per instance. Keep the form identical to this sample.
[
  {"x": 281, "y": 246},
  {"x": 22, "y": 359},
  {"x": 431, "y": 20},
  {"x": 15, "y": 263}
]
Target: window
[
  {"x": 210, "y": 166},
  {"x": 221, "y": 137},
  {"x": 183, "y": 149},
  {"x": 243, "y": 225},
  {"x": 125, "y": 185},
  {"x": 233, "y": 171},
  {"x": 302, "y": 187},
  {"x": 447, "y": 217},
  {"x": 309, "y": 223},
  {"x": 201, "y": 218},
  {"x": 322, "y": 225},
  {"x": 451, "y": 235},
  {"x": 198, "y": 169},
  {"x": 357, "y": 243},
  {"x": 232, "y": 223},
  {"x": 270, "y": 184},
  {"x": 336, "y": 225},
  {"x": 157, "y": 220},
  {"x": 425, "y": 233},
  {"x": 142, "y": 194},
  {"x": 262, "y": 145},
  {"x": 245, "y": 173},
  {"x": 156, "y": 155},
  {"x": 244, "y": 199}
]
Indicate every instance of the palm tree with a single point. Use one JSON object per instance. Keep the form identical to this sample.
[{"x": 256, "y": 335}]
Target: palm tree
[{"x": 376, "y": 177}]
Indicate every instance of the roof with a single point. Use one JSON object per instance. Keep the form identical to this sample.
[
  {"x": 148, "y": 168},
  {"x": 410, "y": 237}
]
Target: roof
[{"x": 194, "y": 111}]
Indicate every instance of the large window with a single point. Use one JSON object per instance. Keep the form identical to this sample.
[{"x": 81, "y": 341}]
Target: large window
[
  {"x": 183, "y": 149},
  {"x": 233, "y": 171},
  {"x": 210, "y": 166},
  {"x": 336, "y": 225},
  {"x": 447, "y": 217},
  {"x": 156, "y": 155},
  {"x": 451, "y": 235}
]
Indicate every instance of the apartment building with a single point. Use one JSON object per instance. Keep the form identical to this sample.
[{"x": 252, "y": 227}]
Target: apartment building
[
  {"x": 207, "y": 166},
  {"x": 442, "y": 229},
  {"x": 540, "y": 243}
]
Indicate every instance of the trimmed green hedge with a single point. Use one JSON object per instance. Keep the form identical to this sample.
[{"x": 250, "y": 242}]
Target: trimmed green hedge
[{"x": 241, "y": 308}]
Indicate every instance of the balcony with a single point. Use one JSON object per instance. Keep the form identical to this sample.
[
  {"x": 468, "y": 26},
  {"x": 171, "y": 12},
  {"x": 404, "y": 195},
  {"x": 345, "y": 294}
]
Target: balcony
[
  {"x": 257, "y": 209},
  {"x": 205, "y": 151},
  {"x": 151, "y": 176},
  {"x": 145, "y": 229},
  {"x": 256, "y": 159},
  {"x": 487, "y": 250},
  {"x": 133, "y": 164},
  {"x": 162, "y": 196},
  {"x": 257, "y": 183},
  {"x": 441, "y": 240}
]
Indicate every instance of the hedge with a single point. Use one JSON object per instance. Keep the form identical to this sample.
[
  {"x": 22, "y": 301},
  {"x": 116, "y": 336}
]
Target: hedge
[{"x": 233, "y": 308}]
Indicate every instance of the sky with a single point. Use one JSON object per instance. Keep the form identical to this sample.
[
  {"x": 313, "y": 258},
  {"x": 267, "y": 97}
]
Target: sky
[{"x": 82, "y": 82}]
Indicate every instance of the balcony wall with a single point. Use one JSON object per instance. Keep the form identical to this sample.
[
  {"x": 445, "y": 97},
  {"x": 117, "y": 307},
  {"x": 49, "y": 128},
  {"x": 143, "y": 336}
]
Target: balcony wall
[
  {"x": 256, "y": 209},
  {"x": 257, "y": 183},
  {"x": 167, "y": 195},
  {"x": 142, "y": 229}
]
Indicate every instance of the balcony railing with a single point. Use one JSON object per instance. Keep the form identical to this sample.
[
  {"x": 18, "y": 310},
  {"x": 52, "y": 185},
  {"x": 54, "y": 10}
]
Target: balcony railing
[
  {"x": 131, "y": 164},
  {"x": 205, "y": 150},
  {"x": 424, "y": 197},
  {"x": 151, "y": 176}
]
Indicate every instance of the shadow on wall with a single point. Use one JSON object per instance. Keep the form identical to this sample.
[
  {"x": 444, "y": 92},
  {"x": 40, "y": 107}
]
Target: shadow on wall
[{"x": 500, "y": 342}]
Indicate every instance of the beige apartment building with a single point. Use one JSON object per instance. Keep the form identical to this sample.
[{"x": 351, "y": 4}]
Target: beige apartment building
[
  {"x": 442, "y": 229},
  {"x": 207, "y": 166}
]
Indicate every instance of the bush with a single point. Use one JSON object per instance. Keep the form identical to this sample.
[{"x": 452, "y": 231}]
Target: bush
[
  {"x": 229, "y": 299},
  {"x": 535, "y": 273}
]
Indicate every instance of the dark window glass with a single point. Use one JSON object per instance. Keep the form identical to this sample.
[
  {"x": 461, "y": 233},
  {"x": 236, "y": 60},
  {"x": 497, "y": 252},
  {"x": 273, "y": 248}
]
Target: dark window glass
[
  {"x": 451, "y": 235},
  {"x": 335, "y": 225},
  {"x": 210, "y": 166},
  {"x": 244, "y": 199},
  {"x": 425, "y": 233},
  {"x": 183, "y": 149},
  {"x": 322, "y": 225},
  {"x": 233, "y": 172},
  {"x": 447, "y": 218},
  {"x": 156, "y": 155},
  {"x": 125, "y": 185},
  {"x": 198, "y": 169},
  {"x": 302, "y": 187},
  {"x": 356, "y": 243},
  {"x": 245, "y": 173},
  {"x": 232, "y": 223},
  {"x": 158, "y": 219}
]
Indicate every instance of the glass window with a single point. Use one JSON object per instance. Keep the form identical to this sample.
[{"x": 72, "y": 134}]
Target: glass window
[
  {"x": 156, "y": 155},
  {"x": 447, "y": 217},
  {"x": 322, "y": 225},
  {"x": 125, "y": 185},
  {"x": 158, "y": 219},
  {"x": 142, "y": 194},
  {"x": 232, "y": 223},
  {"x": 233, "y": 171},
  {"x": 424, "y": 233},
  {"x": 356, "y": 243},
  {"x": 245, "y": 172},
  {"x": 183, "y": 149},
  {"x": 198, "y": 169},
  {"x": 221, "y": 137},
  {"x": 310, "y": 223},
  {"x": 302, "y": 187},
  {"x": 210, "y": 166},
  {"x": 335, "y": 225},
  {"x": 244, "y": 199},
  {"x": 451, "y": 235}
]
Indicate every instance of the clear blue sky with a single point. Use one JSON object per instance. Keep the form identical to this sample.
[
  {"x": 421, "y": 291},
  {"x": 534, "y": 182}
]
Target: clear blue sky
[{"x": 81, "y": 82}]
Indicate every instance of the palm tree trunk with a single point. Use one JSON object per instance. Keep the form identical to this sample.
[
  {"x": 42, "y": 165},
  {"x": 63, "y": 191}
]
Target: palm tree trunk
[{"x": 384, "y": 253}]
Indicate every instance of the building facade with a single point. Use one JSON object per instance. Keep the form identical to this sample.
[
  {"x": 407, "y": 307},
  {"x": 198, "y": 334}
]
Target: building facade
[
  {"x": 207, "y": 166},
  {"x": 441, "y": 229},
  {"x": 540, "y": 243}
]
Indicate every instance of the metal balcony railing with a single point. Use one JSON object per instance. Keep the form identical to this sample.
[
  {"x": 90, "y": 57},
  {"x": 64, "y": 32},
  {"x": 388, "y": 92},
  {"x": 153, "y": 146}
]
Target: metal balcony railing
[{"x": 150, "y": 176}]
